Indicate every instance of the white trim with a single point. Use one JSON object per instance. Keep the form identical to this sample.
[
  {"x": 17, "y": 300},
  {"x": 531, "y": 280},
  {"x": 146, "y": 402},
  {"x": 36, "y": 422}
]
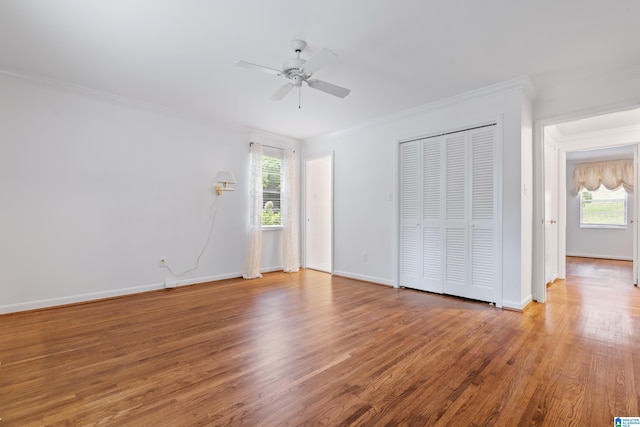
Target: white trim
[
  {"x": 364, "y": 278},
  {"x": 618, "y": 136},
  {"x": 395, "y": 238},
  {"x": 93, "y": 296},
  {"x": 303, "y": 207},
  {"x": 599, "y": 256},
  {"x": 500, "y": 207},
  {"x": 517, "y": 306},
  {"x": 562, "y": 214},
  {"x": 270, "y": 269}
]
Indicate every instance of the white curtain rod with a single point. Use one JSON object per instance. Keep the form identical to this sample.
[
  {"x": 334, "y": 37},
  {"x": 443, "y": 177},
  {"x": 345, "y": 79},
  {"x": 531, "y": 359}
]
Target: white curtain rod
[{"x": 271, "y": 146}]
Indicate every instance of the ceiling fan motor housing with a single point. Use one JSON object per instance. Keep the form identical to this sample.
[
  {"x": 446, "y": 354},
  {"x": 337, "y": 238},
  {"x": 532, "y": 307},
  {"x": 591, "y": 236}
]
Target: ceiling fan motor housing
[{"x": 293, "y": 66}]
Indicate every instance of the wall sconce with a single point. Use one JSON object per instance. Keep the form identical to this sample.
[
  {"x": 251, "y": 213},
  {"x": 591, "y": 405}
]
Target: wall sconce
[{"x": 224, "y": 178}]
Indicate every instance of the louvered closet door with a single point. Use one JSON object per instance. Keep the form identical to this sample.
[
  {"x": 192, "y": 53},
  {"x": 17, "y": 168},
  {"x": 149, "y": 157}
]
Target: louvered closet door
[
  {"x": 410, "y": 211},
  {"x": 484, "y": 254},
  {"x": 431, "y": 223},
  {"x": 455, "y": 213},
  {"x": 448, "y": 209}
]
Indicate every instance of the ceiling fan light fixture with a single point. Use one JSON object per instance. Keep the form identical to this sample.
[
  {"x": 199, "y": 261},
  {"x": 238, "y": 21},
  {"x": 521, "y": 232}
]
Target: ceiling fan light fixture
[{"x": 297, "y": 70}]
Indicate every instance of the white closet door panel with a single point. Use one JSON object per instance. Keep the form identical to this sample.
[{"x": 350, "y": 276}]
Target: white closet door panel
[
  {"x": 483, "y": 261},
  {"x": 410, "y": 181},
  {"x": 410, "y": 207},
  {"x": 410, "y": 257},
  {"x": 455, "y": 176},
  {"x": 432, "y": 259},
  {"x": 455, "y": 259},
  {"x": 431, "y": 179},
  {"x": 483, "y": 281},
  {"x": 483, "y": 184}
]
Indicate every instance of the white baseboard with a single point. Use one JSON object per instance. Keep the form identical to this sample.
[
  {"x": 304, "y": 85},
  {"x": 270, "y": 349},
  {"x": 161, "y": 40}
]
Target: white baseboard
[
  {"x": 364, "y": 278},
  {"x": 600, "y": 256},
  {"x": 73, "y": 299},
  {"x": 510, "y": 305}
]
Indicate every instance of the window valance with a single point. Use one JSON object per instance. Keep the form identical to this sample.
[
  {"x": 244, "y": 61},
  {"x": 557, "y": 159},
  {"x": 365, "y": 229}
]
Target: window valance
[{"x": 612, "y": 175}]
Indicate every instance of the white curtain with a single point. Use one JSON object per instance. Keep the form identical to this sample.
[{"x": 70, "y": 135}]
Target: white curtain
[
  {"x": 251, "y": 268},
  {"x": 289, "y": 188},
  {"x": 611, "y": 174}
]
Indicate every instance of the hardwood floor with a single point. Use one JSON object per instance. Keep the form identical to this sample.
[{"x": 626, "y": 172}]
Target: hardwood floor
[{"x": 311, "y": 349}]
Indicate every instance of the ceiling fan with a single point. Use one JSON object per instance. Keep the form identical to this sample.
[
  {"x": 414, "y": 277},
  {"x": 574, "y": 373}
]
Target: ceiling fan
[{"x": 297, "y": 70}]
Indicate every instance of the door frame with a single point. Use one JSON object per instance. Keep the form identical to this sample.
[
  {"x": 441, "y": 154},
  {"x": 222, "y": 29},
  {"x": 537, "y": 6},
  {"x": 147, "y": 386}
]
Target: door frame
[
  {"x": 331, "y": 155},
  {"x": 539, "y": 290}
]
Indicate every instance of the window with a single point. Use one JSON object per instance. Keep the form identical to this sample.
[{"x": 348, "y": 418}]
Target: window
[
  {"x": 603, "y": 208},
  {"x": 271, "y": 196}
]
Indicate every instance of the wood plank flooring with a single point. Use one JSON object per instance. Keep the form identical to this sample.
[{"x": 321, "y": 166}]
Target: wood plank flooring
[{"x": 311, "y": 349}]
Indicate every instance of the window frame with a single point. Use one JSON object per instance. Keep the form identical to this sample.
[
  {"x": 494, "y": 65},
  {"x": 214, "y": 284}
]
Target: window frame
[
  {"x": 604, "y": 226},
  {"x": 275, "y": 153}
]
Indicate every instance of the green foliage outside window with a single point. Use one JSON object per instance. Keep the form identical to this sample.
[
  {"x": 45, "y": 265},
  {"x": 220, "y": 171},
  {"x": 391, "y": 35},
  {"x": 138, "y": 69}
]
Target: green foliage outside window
[
  {"x": 603, "y": 207},
  {"x": 271, "y": 191}
]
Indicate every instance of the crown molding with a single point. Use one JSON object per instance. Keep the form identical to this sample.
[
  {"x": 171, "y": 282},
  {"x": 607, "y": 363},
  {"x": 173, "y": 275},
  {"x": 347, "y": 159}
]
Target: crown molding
[
  {"x": 104, "y": 96},
  {"x": 614, "y": 137},
  {"x": 520, "y": 84}
]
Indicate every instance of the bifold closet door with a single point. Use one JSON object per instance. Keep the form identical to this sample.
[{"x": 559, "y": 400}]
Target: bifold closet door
[
  {"x": 455, "y": 213},
  {"x": 420, "y": 215},
  {"x": 410, "y": 197},
  {"x": 448, "y": 215},
  {"x": 483, "y": 228},
  {"x": 471, "y": 207}
]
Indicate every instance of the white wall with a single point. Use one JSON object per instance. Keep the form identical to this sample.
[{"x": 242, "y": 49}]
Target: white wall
[
  {"x": 595, "y": 242},
  {"x": 366, "y": 166},
  {"x": 95, "y": 190}
]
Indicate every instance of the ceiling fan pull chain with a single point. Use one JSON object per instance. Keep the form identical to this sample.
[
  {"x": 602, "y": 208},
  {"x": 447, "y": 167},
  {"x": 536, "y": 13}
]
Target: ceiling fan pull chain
[{"x": 299, "y": 97}]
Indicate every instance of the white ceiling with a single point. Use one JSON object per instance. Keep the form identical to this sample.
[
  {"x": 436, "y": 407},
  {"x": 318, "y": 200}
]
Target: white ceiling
[{"x": 393, "y": 55}]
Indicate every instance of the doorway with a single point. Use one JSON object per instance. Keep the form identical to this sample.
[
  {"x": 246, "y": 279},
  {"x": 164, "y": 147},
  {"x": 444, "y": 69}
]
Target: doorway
[
  {"x": 318, "y": 208},
  {"x": 588, "y": 134}
]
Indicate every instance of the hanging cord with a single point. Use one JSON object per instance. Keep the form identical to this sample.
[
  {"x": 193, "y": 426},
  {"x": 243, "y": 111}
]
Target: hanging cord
[
  {"x": 214, "y": 211},
  {"x": 299, "y": 97}
]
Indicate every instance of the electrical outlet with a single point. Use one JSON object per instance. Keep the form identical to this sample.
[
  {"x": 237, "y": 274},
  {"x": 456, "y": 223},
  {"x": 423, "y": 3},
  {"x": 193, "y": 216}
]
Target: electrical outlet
[
  {"x": 163, "y": 261},
  {"x": 364, "y": 257}
]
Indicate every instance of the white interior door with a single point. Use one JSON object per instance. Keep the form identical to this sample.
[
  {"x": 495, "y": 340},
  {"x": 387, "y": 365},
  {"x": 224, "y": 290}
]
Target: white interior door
[
  {"x": 319, "y": 213},
  {"x": 550, "y": 212}
]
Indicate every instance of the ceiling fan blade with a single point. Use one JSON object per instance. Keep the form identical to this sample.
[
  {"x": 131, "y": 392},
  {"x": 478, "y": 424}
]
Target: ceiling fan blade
[
  {"x": 319, "y": 60},
  {"x": 245, "y": 64},
  {"x": 329, "y": 88},
  {"x": 281, "y": 93}
]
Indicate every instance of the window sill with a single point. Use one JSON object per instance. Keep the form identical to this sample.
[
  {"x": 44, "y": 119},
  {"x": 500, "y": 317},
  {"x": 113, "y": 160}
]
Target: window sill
[
  {"x": 604, "y": 226},
  {"x": 271, "y": 227}
]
